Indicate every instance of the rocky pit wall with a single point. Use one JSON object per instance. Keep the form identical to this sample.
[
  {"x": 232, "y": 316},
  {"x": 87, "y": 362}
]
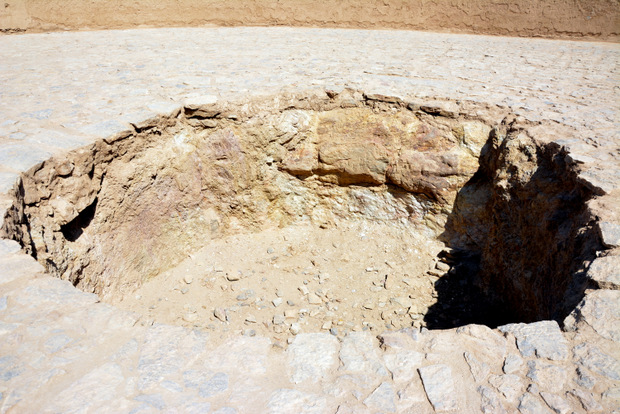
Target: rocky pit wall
[
  {"x": 493, "y": 187},
  {"x": 243, "y": 164},
  {"x": 563, "y": 19}
]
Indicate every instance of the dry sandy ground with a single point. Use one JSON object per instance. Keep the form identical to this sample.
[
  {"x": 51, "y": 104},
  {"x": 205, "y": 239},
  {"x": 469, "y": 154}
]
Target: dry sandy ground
[
  {"x": 591, "y": 19},
  {"x": 278, "y": 282}
]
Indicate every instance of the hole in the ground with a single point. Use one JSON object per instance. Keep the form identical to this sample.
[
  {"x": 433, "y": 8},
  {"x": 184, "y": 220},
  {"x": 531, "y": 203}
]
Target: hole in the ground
[
  {"x": 74, "y": 229},
  {"x": 330, "y": 212}
]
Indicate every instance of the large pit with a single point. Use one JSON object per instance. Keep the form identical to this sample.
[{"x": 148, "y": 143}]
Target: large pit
[{"x": 335, "y": 211}]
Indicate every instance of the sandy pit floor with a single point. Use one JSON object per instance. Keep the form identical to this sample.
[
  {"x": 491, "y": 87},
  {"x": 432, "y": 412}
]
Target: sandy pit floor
[{"x": 280, "y": 282}]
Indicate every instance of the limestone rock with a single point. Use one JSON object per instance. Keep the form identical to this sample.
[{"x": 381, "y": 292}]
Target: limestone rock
[
  {"x": 490, "y": 401},
  {"x": 413, "y": 398},
  {"x": 95, "y": 387},
  {"x": 584, "y": 379},
  {"x": 557, "y": 403},
  {"x": 512, "y": 363},
  {"x": 612, "y": 395},
  {"x": 543, "y": 339},
  {"x": 587, "y": 400},
  {"x": 479, "y": 369},
  {"x": 312, "y": 356},
  {"x": 8, "y": 247},
  {"x": 285, "y": 401},
  {"x": 303, "y": 160},
  {"x": 355, "y": 162},
  {"x": 295, "y": 328},
  {"x": 529, "y": 404},
  {"x": 382, "y": 399},
  {"x": 610, "y": 234},
  {"x": 218, "y": 383},
  {"x": 485, "y": 342},
  {"x": 289, "y": 124},
  {"x": 548, "y": 376},
  {"x": 313, "y": 299},
  {"x": 424, "y": 173},
  {"x": 597, "y": 361},
  {"x": 599, "y": 309},
  {"x": 359, "y": 355},
  {"x": 221, "y": 314},
  {"x": 439, "y": 387},
  {"x": 403, "y": 364},
  {"x": 605, "y": 272},
  {"x": 509, "y": 385},
  {"x": 442, "y": 108}
]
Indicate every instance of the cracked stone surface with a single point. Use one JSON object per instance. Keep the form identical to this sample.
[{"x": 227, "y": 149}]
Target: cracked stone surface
[{"x": 61, "y": 350}]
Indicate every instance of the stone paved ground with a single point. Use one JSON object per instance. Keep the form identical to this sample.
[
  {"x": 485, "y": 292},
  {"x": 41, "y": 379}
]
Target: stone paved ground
[{"x": 62, "y": 351}]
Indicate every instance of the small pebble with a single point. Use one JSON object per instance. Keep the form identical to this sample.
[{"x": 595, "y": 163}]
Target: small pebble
[
  {"x": 313, "y": 299},
  {"x": 220, "y": 313},
  {"x": 295, "y": 328},
  {"x": 190, "y": 317},
  {"x": 247, "y": 294},
  {"x": 290, "y": 313},
  {"x": 442, "y": 267}
]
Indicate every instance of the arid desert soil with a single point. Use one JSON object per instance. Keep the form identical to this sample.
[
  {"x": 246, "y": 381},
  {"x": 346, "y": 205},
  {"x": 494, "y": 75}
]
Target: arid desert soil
[
  {"x": 586, "y": 19},
  {"x": 279, "y": 282}
]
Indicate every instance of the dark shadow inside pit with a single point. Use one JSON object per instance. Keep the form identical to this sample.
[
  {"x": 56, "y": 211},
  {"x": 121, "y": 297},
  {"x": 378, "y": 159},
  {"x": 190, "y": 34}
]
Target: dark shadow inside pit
[
  {"x": 75, "y": 228},
  {"x": 460, "y": 300},
  {"x": 519, "y": 248}
]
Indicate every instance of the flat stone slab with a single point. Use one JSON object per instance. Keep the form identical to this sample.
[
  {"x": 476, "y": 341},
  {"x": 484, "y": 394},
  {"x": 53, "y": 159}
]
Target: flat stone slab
[
  {"x": 610, "y": 234},
  {"x": 605, "y": 272},
  {"x": 313, "y": 356},
  {"x": 543, "y": 339},
  {"x": 439, "y": 387},
  {"x": 600, "y": 310}
]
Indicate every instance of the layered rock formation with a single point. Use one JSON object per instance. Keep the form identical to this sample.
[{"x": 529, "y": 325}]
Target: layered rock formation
[
  {"x": 113, "y": 215},
  {"x": 134, "y": 205}
]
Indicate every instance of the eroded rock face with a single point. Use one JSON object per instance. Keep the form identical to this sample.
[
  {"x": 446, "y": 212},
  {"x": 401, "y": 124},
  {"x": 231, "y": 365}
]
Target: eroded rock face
[
  {"x": 420, "y": 154},
  {"x": 112, "y": 215},
  {"x": 525, "y": 213}
]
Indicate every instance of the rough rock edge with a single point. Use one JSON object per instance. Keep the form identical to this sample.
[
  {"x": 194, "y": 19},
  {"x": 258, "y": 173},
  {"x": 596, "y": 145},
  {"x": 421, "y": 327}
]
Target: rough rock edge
[{"x": 243, "y": 108}]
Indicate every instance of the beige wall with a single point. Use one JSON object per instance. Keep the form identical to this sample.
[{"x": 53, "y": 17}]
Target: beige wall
[{"x": 590, "y": 19}]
